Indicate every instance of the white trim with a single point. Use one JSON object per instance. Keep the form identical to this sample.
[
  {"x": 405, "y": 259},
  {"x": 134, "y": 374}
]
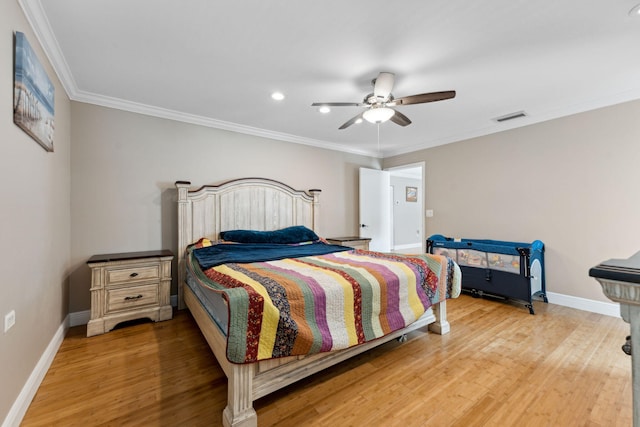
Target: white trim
[
  {"x": 39, "y": 22},
  {"x": 397, "y": 171},
  {"x": 164, "y": 113},
  {"x": 593, "y": 306},
  {"x": 606, "y": 308},
  {"x": 37, "y": 18},
  {"x": 417, "y": 245},
  {"x": 569, "y": 110},
  {"x": 20, "y": 406}
]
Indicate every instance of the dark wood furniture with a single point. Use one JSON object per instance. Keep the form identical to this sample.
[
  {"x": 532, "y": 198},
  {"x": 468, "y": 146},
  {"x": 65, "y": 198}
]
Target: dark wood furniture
[
  {"x": 620, "y": 281},
  {"x": 351, "y": 241}
]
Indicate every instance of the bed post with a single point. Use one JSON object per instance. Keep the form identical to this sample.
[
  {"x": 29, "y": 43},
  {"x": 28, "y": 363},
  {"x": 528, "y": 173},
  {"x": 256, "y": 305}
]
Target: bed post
[
  {"x": 441, "y": 326},
  {"x": 239, "y": 411},
  {"x": 184, "y": 234},
  {"x": 316, "y": 211}
]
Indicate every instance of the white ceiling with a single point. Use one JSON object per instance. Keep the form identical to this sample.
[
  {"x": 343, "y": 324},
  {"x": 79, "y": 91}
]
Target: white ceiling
[{"x": 216, "y": 63}]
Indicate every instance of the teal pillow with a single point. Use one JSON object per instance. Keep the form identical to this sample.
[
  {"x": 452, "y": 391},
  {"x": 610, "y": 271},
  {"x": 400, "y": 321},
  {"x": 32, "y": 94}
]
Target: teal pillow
[{"x": 289, "y": 235}]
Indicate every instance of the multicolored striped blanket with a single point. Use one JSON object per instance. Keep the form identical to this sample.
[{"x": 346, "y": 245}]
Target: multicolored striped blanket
[{"x": 312, "y": 304}]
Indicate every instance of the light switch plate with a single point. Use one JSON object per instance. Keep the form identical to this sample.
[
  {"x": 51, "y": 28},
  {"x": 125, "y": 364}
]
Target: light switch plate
[{"x": 9, "y": 320}]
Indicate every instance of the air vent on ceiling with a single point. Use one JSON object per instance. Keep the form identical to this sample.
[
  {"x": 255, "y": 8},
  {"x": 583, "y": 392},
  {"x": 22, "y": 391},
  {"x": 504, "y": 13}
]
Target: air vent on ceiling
[{"x": 511, "y": 116}]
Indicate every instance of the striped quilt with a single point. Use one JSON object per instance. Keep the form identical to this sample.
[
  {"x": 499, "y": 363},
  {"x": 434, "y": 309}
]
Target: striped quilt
[{"x": 312, "y": 304}]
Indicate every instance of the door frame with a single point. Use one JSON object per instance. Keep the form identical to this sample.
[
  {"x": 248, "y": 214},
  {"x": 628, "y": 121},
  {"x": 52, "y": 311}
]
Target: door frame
[{"x": 422, "y": 200}]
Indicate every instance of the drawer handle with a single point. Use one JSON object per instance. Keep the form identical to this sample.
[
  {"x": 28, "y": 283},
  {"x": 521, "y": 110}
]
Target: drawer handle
[
  {"x": 133, "y": 274},
  {"x": 130, "y": 298}
]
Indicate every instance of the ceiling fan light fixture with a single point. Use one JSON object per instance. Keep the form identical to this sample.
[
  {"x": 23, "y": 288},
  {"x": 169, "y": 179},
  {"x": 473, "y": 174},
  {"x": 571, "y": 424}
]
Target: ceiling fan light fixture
[
  {"x": 378, "y": 104},
  {"x": 378, "y": 114}
]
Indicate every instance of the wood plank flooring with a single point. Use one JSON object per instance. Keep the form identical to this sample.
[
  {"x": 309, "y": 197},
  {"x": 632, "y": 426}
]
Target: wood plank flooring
[{"x": 499, "y": 366}]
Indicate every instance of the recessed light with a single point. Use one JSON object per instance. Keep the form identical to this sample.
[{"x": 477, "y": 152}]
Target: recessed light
[
  {"x": 635, "y": 11},
  {"x": 324, "y": 109},
  {"x": 358, "y": 120},
  {"x": 278, "y": 96}
]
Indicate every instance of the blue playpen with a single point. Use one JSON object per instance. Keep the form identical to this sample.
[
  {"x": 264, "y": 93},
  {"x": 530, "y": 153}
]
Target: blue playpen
[{"x": 505, "y": 269}]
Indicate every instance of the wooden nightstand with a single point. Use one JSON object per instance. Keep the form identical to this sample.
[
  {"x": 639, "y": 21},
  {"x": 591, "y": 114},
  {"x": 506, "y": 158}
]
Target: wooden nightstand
[
  {"x": 129, "y": 286},
  {"x": 352, "y": 241}
]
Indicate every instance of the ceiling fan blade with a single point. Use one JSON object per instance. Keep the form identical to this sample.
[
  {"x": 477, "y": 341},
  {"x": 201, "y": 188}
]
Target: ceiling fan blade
[
  {"x": 425, "y": 97},
  {"x": 383, "y": 85},
  {"x": 351, "y": 121},
  {"x": 337, "y": 104},
  {"x": 400, "y": 119}
]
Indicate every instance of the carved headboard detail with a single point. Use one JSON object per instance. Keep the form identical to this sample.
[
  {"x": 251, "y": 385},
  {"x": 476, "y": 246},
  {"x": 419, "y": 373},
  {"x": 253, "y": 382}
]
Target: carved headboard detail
[{"x": 247, "y": 203}]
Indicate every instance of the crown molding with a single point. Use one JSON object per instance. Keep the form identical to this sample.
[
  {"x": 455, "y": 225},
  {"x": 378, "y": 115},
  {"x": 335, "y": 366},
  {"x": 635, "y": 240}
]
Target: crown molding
[
  {"x": 530, "y": 119},
  {"x": 37, "y": 18},
  {"x": 38, "y": 21},
  {"x": 149, "y": 110}
]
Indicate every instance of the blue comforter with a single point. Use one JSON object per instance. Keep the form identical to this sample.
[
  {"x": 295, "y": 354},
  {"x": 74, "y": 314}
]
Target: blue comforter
[{"x": 211, "y": 256}]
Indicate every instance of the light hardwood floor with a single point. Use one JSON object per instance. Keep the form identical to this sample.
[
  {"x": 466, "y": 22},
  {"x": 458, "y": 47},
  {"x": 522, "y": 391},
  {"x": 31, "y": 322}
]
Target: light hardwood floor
[{"x": 499, "y": 366}]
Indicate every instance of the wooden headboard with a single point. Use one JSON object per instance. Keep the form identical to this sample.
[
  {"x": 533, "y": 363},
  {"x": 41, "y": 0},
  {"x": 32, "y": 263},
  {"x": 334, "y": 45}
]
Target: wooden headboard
[{"x": 248, "y": 204}]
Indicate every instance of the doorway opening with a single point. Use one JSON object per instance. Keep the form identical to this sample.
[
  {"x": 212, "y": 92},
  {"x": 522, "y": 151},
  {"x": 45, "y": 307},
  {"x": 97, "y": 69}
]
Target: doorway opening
[
  {"x": 408, "y": 205},
  {"x": 391, "y": 206}
]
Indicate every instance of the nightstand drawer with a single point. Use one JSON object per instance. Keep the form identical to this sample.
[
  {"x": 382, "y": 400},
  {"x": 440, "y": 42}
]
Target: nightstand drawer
[
  {"x": 131, "y": 274},
  {"x": 127, "y": 286},
  {"x": 132, "y": 296}
]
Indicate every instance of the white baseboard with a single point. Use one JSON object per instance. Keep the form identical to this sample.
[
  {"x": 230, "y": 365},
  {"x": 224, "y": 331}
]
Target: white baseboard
[
  {"x": 606, "y": 308},
  {"x": 407, "y": 246},
  {"x": 29, "y": 390},
  {"x": 20, "y": 406}
]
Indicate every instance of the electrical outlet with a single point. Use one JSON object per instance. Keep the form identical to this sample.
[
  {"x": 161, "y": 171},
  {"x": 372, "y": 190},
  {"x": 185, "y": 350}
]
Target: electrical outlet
[{"x": 9, "y": 320}]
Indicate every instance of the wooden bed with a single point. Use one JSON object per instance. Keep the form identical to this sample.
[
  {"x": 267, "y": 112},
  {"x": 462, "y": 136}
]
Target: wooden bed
[{"x": 259, "y": 204}]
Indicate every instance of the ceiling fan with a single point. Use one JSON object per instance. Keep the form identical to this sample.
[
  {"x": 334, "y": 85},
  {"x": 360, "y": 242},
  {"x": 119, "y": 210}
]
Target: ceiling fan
[{"x": 379, "y": 102}]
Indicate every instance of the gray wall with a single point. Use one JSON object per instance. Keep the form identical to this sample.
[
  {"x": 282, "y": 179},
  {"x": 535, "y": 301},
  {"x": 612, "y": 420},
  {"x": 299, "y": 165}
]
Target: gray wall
[
  {"x": 124, "y": 166},
  {"x": 406, "y": 215},
  {"x": 571, "y": 182},
  {"x": 108, "y": 187},
  {"x": 34, "y": 223}
]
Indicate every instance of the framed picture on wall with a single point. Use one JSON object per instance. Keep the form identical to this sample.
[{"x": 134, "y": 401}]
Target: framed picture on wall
[
  {"x": 412, "y": 194},
  {"x": 33, "y": 94}
]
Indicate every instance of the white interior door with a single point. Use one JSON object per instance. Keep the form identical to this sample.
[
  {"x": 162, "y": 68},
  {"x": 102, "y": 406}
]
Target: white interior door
[{"x": 375, "y": 208}]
